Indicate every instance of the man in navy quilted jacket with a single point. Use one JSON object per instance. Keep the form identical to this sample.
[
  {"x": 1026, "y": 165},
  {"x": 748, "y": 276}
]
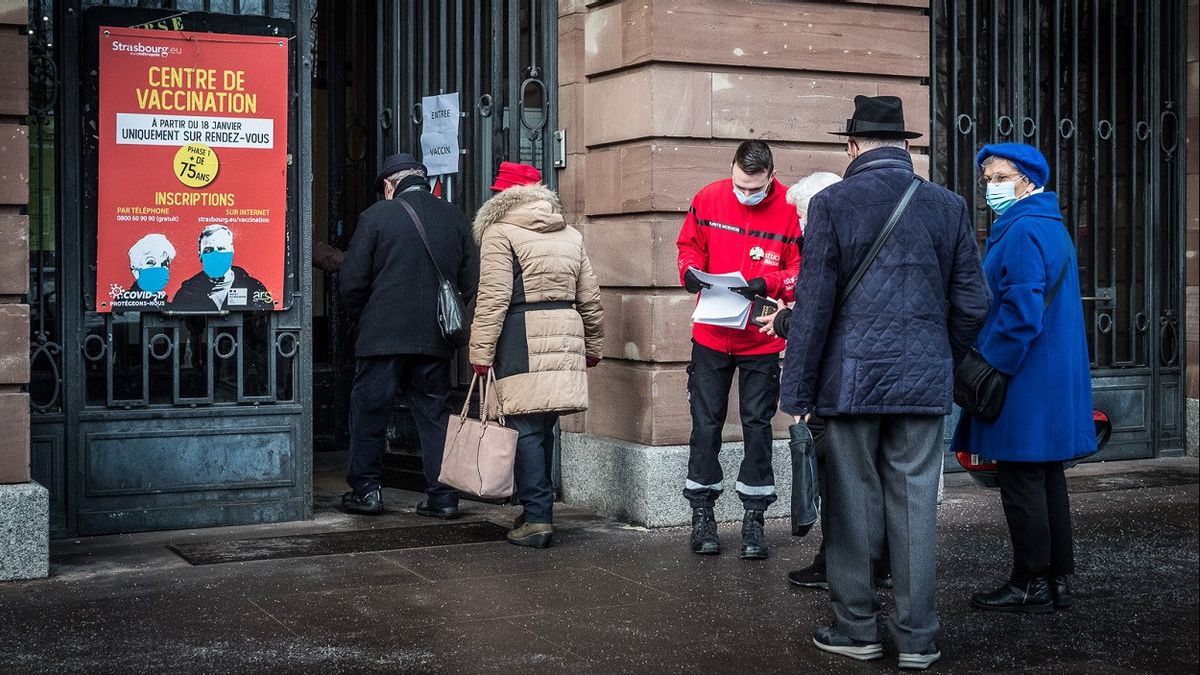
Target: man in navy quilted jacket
[{"x": 878, "y": 366}]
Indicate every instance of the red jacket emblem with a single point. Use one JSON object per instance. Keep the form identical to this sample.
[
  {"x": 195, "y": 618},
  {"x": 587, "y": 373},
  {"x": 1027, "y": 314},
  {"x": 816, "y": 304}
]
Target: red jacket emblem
[{"x": 720, "y": 235}]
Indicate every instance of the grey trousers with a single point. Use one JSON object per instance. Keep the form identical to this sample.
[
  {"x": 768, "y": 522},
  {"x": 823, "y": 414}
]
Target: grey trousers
[{"x": 883, "y": 480}]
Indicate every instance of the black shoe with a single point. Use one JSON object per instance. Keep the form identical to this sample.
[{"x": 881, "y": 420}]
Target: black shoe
[
  {"x": 1030, "y": 597},
  {"x": 754, "y": 540},
  {"x": 449, "y": 512},
  {"x": 366, "y": 504},
  {"x": 812, "y": 576},
  {"x": 827, "y": 640},
  {"x": 1060, "y": 590},
  {"x": 704, "y": 531},
  {"x": 919, "y": 660}
]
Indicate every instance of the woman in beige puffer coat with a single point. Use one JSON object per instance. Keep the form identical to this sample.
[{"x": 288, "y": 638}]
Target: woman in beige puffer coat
[{"x": 538, "y": 325}]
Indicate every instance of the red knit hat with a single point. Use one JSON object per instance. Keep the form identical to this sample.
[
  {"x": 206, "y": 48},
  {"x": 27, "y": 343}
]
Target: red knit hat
[{"x": 512, "y": 174}]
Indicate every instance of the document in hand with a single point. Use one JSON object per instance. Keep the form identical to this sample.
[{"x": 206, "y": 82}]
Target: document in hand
[{"x": 720, "y": 306}]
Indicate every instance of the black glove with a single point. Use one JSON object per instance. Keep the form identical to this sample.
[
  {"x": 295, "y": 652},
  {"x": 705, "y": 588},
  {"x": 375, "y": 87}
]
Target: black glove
[
  {"x": 753, "y": 287},
  {"x": 782, "y": 320},
  {"x": 693, "y": 284}
]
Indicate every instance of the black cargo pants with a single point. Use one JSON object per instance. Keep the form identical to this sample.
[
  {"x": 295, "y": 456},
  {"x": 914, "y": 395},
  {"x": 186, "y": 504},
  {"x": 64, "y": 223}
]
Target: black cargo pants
[{"x": 710, "y": 377}]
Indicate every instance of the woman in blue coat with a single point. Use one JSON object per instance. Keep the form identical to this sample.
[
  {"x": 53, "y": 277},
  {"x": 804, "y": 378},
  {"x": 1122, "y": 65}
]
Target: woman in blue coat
[{"x": 1034, "y": 333}]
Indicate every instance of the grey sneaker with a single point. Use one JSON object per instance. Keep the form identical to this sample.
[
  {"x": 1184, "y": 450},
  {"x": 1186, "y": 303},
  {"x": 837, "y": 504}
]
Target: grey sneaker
[
  {"x": 827, "y": 640},
  {"x": 920, "y": 660}
]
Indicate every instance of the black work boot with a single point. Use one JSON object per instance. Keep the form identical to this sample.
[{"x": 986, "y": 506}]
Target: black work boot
[
  {"x": 704, "y": 531},
  {"x": 1060, "y": 590},
  {"x": 754, "y": 540}
]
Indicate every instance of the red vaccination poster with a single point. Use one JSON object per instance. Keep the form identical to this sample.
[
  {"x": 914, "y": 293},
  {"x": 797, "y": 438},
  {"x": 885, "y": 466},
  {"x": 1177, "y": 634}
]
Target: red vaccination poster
[{"x": 193, "y": 171}]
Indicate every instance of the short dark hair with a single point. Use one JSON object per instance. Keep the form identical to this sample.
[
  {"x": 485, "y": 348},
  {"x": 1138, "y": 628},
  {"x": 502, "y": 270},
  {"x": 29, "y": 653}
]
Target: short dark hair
[{"x": 754, "y": 157}]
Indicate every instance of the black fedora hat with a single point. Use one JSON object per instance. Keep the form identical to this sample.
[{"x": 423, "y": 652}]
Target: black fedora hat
[
  {"x": 877, "y": 117},
  {"x": 396, "y": 163}
]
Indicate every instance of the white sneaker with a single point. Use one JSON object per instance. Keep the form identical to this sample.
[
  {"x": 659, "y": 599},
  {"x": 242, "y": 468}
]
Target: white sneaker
[{"x": 920, "y": 660}]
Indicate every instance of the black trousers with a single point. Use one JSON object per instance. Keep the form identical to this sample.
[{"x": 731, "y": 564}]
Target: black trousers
[
  {"x": 425, "y": 380},
  {"x": 1038, "y": 511},
  {"x": 535, "y": 456},
  {"x": 710, "y": 377}
]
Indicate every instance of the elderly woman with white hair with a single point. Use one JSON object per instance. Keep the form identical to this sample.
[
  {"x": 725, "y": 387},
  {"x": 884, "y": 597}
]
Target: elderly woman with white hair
[{"x": 798, "y": 195}]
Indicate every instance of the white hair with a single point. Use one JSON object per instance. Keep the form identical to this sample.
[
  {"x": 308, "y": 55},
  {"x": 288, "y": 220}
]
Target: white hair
[
  {"x": 800, "y": 194},
  {"x": 153, "y": 246},
  {"x": 395, "y": 178},
  {"x": 865, "y": 143}
]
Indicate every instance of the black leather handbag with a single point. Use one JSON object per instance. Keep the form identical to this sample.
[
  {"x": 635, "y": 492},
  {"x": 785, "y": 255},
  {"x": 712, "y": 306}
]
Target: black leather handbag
[
  {"x": 979, "y": 389},
  {"x": 451, "y": 315}
]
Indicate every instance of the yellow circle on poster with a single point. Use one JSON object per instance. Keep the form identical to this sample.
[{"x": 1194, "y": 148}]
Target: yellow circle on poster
[{"x": 196, "y": 165}]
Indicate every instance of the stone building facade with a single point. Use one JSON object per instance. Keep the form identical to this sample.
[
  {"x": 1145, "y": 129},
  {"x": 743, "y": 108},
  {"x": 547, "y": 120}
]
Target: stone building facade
[{"x": 23, "y": 503}]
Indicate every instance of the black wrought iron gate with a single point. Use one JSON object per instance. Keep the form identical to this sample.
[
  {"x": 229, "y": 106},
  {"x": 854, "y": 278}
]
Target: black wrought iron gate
[
  {"x": 1100, "y": 87},
  {"x": 144, "y": 420},
  {"x": 500, "y": 56}
]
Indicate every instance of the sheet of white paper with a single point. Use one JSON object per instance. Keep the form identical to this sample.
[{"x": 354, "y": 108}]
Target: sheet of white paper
[{"x": 719, "y": 306}]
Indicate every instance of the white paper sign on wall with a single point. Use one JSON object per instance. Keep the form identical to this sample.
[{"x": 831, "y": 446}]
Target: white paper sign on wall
[{"x": 439, "y": 133}]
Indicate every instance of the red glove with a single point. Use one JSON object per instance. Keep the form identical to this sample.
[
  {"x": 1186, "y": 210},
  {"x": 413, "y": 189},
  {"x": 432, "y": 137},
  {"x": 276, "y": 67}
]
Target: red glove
[
  {"x": 481, "y": 371},
  {"x": 592, "y": 360}
]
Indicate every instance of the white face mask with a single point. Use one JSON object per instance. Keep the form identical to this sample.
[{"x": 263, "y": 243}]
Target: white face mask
[
  {"x": 751, "y": 200},
  {"x": 1001, "y": 196}
]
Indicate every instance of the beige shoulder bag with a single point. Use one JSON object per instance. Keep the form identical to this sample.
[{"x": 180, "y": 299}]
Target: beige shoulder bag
[{"x": 479, "y": 454}]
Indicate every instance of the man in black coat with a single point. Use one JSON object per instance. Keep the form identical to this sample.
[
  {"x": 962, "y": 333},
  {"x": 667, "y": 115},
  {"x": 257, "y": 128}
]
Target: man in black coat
[
  {"x": 878, "y": 367},
  {"x": 389, "y": 284}
]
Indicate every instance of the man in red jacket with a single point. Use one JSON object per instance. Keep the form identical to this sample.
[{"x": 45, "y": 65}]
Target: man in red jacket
[{"x": 739, "y": 224}]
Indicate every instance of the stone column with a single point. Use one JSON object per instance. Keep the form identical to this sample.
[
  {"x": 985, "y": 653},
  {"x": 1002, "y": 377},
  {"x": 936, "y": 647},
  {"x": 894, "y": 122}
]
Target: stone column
[
  {"x": 24, "y": 514},
  {"x": 655, "y": 95}
]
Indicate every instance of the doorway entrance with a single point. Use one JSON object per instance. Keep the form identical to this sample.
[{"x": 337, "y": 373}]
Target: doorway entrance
[{"x": 375, "y": 61}]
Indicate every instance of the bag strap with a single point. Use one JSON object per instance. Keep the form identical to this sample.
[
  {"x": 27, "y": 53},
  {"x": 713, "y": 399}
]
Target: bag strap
[
  {"x": 880, "y": 239},
  {"x": 421, "y": 231},
  {"x": 1057, "y": 283}
]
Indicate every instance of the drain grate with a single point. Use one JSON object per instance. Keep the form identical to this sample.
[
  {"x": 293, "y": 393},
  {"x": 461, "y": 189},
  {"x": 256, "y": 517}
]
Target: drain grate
[{"x": 334, "y": 543}]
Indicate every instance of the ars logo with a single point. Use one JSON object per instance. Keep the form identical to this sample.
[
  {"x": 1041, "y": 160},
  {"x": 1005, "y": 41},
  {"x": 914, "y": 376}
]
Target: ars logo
[{"x": 757, "y": 253}]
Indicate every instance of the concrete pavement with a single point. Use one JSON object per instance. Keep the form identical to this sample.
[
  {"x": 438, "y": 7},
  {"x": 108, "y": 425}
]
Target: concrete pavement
[{"x": 606, "y": 598}]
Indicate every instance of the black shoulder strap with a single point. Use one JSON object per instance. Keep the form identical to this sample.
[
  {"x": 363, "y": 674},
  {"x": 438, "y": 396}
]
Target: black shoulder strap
[
  {"x": 880, "y": 239},
  {"x": 1057, "y": 283},
  {"x": 421, "y": 231}
]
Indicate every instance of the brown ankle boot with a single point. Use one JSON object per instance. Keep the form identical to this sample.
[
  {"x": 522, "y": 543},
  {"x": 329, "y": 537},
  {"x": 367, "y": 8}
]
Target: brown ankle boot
[{"x": 534, "y": 535}]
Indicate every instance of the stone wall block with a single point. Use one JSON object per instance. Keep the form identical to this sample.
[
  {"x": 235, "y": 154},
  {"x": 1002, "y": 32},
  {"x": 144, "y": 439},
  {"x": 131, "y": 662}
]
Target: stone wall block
[
  {"x": 14, "y": 12},
  {"x": 663, "y": 176},
  {"x": 634, "y": 251},
  {"x": 14, "y": 163},
  {"x": 14, "y": 78},
  {"x": 794, "y": 107},
  {"x": 14, "y": 437},
  {"x": 618, "y": 108},
  {"x": 785, "y": 35},
  {"x": 570, "y": 49},
  {"x": 14, "y": 254},
  {"x": 14, "y": 344},
  {"x": 639, "y": 403},
  {"x": 648, "y": 326}
]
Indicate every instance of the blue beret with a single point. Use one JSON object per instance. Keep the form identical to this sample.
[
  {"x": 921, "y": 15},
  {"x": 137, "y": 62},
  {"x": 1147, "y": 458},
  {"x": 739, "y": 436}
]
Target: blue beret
[{"x": 1029, "y": 160}]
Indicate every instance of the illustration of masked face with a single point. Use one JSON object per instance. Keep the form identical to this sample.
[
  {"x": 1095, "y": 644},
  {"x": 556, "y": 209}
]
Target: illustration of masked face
[
  {"x": 153, "y": 279},
  {"x": 150, "y": 262},
  {"x": 216, "y": 253}
]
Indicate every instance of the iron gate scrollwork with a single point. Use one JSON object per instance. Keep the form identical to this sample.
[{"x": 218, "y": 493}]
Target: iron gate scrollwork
[{"x": 1099, "y": 87}]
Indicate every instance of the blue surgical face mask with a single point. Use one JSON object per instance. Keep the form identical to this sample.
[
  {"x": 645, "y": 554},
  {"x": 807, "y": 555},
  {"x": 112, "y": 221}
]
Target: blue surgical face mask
[
  {"x": 216, "y": 263},
  {"x": 1000, "y": 196},
  {"x": 153, "y": 279},
  {"x": 754, "y": 199}
]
